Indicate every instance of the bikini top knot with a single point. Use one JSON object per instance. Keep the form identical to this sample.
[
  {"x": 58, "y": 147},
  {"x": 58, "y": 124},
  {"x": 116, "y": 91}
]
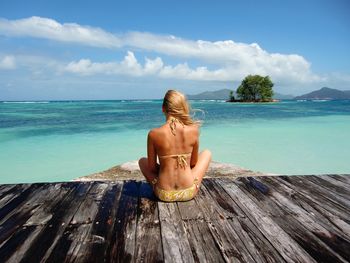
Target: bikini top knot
[
  {"x": 172, "y": 124},
  {"x": 181, "y": 160}
]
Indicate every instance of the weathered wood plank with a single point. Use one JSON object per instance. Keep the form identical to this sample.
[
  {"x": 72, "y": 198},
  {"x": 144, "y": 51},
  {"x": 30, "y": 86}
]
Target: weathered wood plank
[
  {"x": 89, "y": 207},
  {"x": 176, "y": 247},
  {"x": 216, "y": 203},
  {"x": 345, "y": 188},
  {"x": 4, "y": 187},
  {"x": 12, "y": 246},
  {"x": 260, "y": 219},
  {"x": 258, "y": 185},
  {"x": 123, "y": 239},
  {"x": 324, "y": 224},
  {"x": 26, "y": 218},
  {"x": 318, "y": 200},
  {"x": 344, "y": 178},
  {"x": 190, "y": 211},
  {"x": 148, "y": 238},
  {"x": 310, "y": 242},
  {"x": 284, "y": 244},
  {"x": 262, "y": 197},
  {"x": 203, "y": 245},
  {"x": 41, "y": 248},
  {"x": 17, "y": 197},
  {"x": 26, "y": 206},
  {"x": 46, "y": 201},
  {"x": 231, "y": 246},
  {"x": 312, "y": 208},
  {"x": 258, "y": 246},
  {"x": 330, "y": 184},
  {"x": 73, "y": 244},
  {"x": 5, "y": 192},
  {"x": 245, "y": 252},
  {"x": 100, "y": 237},
  {"x": 299, "y": 225},
  {"x": 302, "y": 182},
  {"x": 331, "y": 192}
]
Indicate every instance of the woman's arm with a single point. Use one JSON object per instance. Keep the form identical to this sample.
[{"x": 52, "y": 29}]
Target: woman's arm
[
  {"x": 151, "y": 154},
  {"x": 194, "y": 155}
]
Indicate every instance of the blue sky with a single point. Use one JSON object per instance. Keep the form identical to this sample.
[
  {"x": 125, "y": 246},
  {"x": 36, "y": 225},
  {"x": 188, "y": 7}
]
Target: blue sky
[{"x": 139, "y": 49}]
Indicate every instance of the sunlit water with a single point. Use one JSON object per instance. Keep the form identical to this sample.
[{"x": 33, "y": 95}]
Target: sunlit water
[{"x": 58, "y": 141}]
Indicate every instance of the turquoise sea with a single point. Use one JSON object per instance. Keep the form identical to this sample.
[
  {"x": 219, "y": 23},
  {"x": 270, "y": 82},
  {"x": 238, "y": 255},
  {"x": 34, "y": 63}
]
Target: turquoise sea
[{"x": 62, "y": 140}]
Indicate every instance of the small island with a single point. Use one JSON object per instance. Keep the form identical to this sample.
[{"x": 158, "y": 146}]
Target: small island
[{"x": 254, "y": 88}]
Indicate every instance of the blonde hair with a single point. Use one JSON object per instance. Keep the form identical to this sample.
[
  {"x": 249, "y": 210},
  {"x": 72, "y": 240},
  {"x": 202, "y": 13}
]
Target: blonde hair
[{"x": 176, "y": 105}]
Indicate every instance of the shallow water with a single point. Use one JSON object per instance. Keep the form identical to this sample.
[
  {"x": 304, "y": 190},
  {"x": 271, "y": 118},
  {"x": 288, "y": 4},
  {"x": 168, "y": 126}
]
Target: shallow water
[{"x": 62, "y": 140}]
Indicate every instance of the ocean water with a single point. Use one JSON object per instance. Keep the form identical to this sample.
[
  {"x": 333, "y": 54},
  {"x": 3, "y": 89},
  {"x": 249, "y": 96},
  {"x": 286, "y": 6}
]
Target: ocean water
[{"x": 61, "y": 140}]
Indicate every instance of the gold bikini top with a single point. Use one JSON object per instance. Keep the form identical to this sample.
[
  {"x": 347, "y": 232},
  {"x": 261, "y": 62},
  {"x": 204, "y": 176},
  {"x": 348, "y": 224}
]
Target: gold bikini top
[{"x": 180, "y": 158}]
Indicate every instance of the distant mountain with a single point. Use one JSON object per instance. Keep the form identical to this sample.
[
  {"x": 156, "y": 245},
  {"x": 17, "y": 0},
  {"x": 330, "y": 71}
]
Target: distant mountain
[
  {"x": 279, "y": 96},
  {"x": 325, "y": 93},
  {"x": 222, "y": 94}
]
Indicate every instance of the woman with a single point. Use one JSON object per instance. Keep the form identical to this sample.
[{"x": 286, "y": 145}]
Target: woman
[{"x": 181, "y": 169}]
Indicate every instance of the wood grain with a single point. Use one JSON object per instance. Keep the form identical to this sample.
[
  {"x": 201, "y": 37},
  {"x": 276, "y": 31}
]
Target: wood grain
[{"x": 251, "y": 219}]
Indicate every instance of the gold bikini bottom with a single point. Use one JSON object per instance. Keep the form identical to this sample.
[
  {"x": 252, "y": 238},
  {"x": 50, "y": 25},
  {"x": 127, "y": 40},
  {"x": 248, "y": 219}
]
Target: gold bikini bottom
[{"x": 176, "y": 195}]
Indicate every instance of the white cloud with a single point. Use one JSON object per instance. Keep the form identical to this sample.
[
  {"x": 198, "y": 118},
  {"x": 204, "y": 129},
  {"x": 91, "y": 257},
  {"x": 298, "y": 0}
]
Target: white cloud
[
  {"x": 8, "y": 62},
  {"x": 232, "y": 60},
  {"x": 50, "y": 29},
  {"x": 128, "y": 66},
  {"x": 156, "y": 67},
  {"x": 153, "y": 67}
]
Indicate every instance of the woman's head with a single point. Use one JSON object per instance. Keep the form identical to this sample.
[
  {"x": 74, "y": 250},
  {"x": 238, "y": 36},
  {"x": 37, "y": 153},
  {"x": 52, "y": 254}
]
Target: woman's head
[{"x": 175, "y": 104}]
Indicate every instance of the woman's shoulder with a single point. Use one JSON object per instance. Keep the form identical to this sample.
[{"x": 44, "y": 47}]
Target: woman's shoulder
[
  {"x": 152, "y": 132},
  {"x": 159, "y": 131},
  {"x": 155, "y": 131},
  {"x": 195, "y": 128}
]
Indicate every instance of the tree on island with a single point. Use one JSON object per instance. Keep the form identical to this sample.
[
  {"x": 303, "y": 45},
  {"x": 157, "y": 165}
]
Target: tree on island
[
  {"x": 232, "y": 98},
  {"x": 255, "y": 88}
]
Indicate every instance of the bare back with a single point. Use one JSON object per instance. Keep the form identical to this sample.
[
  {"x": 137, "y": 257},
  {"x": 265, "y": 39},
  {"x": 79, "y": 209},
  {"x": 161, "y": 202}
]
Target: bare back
[{"x": 186, "y": 140}]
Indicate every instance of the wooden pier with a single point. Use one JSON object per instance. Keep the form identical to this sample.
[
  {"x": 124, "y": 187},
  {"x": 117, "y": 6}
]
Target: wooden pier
[{"x": 249, "y": 219}]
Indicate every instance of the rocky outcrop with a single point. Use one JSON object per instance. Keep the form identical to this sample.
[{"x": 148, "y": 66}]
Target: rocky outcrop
[{"x": 130, "y": 170}]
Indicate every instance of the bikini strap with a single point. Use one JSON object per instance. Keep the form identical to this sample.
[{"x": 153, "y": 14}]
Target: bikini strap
[
  {"x": 172, "y": 124},
  {"x": 196, "y": 182},
  {"x": 174, "y": 155},
  {"x": 180, "y": 159}
]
